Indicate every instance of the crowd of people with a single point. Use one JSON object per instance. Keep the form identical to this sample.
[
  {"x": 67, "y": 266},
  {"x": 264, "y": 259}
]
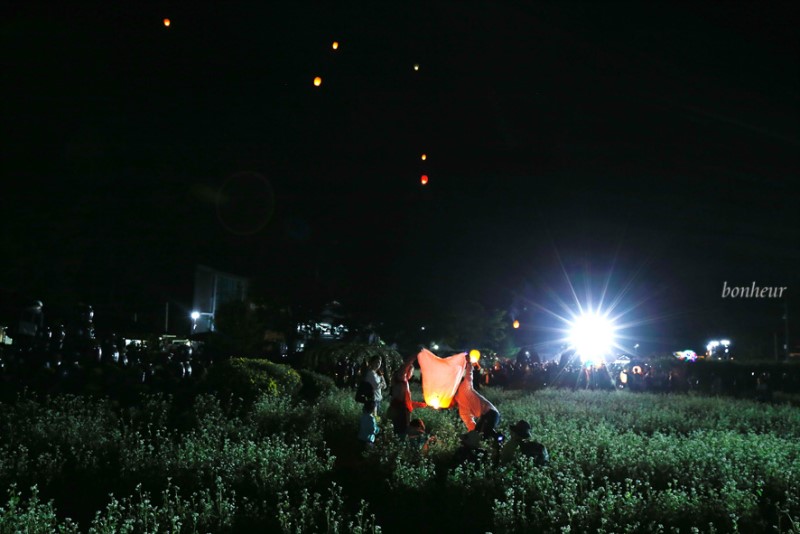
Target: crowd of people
[
  {"x": 644, "y": 375},
  {"x": 479, "y": 416},
  {"x": 66, "y": 351}
]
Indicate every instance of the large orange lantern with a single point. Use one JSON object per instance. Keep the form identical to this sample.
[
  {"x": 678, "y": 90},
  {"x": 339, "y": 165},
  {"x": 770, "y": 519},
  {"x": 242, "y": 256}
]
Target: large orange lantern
[
  {"x": 474, "y": 356},
  {"x": 515, "y": 324},
  {"x": 317, "y": 81},
  {"x": 335, "y": 45},
  {"x": 440, "y": 377},
  {"x": 167, "y": 22}
]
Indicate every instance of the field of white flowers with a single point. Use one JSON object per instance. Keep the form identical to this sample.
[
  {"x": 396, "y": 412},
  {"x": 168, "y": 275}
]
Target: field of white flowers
[{"x": 619, "y": 462}]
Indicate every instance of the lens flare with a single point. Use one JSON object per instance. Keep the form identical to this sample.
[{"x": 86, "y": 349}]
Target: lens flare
[{"x": 592, "y": 335}]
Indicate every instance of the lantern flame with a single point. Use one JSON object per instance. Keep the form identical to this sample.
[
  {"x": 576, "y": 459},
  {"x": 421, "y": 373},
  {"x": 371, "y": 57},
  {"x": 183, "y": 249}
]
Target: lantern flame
[
  {"x": 167, "y": 22},
  {"x": 515, "y": 324},
  {"x": 423, "y": 179},
  {"x": 317, "y": 81},
  {"x": 423, "y": 157},
  {"x": 335, "y": 45}
]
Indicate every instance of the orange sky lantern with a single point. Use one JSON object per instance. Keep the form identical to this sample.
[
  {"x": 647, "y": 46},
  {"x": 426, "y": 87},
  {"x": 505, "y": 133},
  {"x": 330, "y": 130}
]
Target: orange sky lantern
[
  {"x": 423, "y": 179},
  {"x": 335, "y": 45},
  {"x": 167, "y": 22},
  {"x": 416, "y": 66},
  {"x": 515, "y": 324},
  {"x": 474, "y": 356},
  {"x": 440, "y": 377},
  {"x": 317, "y": 81},
  {"x": 423, "y": 157}
]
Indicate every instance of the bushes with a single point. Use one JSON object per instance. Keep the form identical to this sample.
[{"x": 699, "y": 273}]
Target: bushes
[
  {"x": 249, "y": 378},
  {"x": 315, "y": 385}
]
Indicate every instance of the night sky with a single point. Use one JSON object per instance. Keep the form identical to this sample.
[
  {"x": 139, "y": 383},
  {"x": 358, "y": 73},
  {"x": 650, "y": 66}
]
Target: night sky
[{"x": 651, "y": 149}]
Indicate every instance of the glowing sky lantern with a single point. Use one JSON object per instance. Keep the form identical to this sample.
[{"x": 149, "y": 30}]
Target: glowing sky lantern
[
  {"x": 416, "y": 66},
  {"x": 474, "y": 356},
  {"x": 440, "y": 377},
  {"x": 167, "y": 22},
  {"x": 317, "y": 81},
  {"x": 423, "y": 157},
  {"x": 335, "y": 45},
  {"x": 515, "y": 324},
  {"x": 423, "y": 179}
]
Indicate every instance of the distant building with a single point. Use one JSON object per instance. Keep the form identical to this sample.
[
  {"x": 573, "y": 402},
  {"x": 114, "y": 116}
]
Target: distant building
[
  {"x": 329, "y": 325},
  {"x": 212, "y": 289}
]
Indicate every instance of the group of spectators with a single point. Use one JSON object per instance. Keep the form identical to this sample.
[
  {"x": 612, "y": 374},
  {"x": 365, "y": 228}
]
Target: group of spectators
[
  {"x": 660, "y": 376},
  {"x": 479, "y": 415},
  {"x": 65, "y": 352}
]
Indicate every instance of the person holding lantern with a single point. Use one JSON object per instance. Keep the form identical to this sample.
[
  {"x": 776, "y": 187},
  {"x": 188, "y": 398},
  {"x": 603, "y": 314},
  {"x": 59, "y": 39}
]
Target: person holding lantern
[
  {"x": 400, "y": 403},
  {"x": 474, "y": 409}
]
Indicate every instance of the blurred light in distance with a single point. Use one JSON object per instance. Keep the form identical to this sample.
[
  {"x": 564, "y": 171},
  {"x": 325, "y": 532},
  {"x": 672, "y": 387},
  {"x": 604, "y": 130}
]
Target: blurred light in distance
[
  {"x": 317, "y": 81},
  {"x": 592, "y": 336}
]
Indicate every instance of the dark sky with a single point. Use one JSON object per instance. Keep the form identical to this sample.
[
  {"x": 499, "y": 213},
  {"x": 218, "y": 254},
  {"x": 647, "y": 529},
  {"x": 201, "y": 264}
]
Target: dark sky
[{"x": 652, "y": 147}]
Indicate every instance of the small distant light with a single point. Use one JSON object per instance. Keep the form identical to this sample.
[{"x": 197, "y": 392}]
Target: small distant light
[
  {"x": 335, "y": 45},
  {"x": 423, "y": 179},
  {"x": 167, "y": 22},
  {"x": 423, "y": 157},
  {"x": 416, "y": 66},
  {"x": 515, "y": 324},
  {"x": 317, "y": 81}
]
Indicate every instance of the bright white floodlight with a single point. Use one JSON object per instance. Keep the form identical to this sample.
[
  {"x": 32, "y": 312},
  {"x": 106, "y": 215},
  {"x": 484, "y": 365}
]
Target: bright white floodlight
[
  {"x": 195, "y": 315},
  {"x": 592, "y": 336}
]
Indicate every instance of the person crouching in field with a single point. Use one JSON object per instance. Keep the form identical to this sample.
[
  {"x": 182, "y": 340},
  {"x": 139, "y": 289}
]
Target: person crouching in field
[
  {"x": 417, "y": 436},
  {"x": 368, "y": 425},
  {"x": 520, "y": 442},
  {"x": 474, "y": 409},
  {"x": 470, "y": 451},
  {"x": 400, "y": 404}
]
